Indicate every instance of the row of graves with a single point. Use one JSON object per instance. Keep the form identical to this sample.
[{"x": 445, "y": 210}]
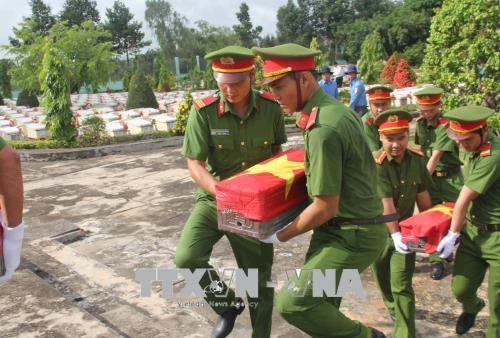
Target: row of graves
[{"x": 25, "y": 123}]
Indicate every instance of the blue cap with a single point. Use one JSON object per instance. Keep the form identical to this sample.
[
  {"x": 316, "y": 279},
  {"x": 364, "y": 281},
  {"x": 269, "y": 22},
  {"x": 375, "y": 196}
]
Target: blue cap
[
  {"x": 325, "y": 69},
  {"x": 351, "y": 69}
]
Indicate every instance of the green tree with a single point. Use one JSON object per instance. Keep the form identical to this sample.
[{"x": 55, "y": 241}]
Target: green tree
[
  {"x": 56, "y": 95},
  {"x": 126, "y": 35},
  {"x": 5, "y": 85},
  {"x": 168, "y": 27},
  {"x": 27, "y": 98},
  {"x": 320, "y": 59},
  {"x": 372, "y": 58},
  {"x": 462, "y": 54},
  {"x": 247, "y": 34},
  {"x": 140, "y": 93},
  {"x": 292, "y": 26},
  {"x": 78, "y": 11},
  {"x": 90, "y": 59},
  {"x": 41, "y": 16}
]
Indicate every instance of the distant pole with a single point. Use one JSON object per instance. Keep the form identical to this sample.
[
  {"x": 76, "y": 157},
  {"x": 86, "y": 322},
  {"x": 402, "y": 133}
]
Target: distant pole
[
  {"x": 177, "y": 67},
  {"x": 198, "y": 62}
]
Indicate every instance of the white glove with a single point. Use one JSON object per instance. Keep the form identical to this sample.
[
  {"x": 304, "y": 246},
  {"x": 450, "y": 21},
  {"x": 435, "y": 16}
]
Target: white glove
[
  {"x": 398, "y": 243},
  {"x": 12, "y": 244},
  {"x": 445, "y": 246},
  {"x": 272, "y": 239}
]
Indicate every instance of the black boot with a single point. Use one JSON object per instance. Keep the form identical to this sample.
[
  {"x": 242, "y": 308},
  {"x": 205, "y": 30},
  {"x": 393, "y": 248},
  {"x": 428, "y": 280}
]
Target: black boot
[
  {"x": 225, "y": 322},
  {"x": 376, "y": 333},
  {"x": 437, "y": 271},
  {"x": 465, "y": 322}
]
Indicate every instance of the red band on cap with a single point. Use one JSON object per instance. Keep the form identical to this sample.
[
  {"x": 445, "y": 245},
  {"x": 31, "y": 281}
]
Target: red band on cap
[
  {"x": 466, "y": 127},
  {"x": 273, "y": 67},
  {"x": 428, "y": 100},
  {"x": 230, "y": 65},
  {"x": 379, "y": 95},
  {"x": 392, "y": 126}
]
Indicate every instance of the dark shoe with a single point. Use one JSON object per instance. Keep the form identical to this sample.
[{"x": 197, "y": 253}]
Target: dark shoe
[
  {"x": 465, "y": 322},
  {"x": 437, "y": 271},
  {"x": 225, "y": 322},
  {"x": 376, "y": 333}
]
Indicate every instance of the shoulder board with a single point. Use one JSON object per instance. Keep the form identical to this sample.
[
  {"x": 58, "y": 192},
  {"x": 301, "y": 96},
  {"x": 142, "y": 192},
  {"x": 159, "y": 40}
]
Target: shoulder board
[
  {"x": 267, "y": 95},
  {"x": 419, "y": 118},
  {"x": 380, "y": 156},
  {"x": 312, "y": 118},
  {"x": 443, "y": 121},
  {"x": 416, "y": 151},
  {"x": 200, "y": 103},
  {"x": 485, "y": 150}
]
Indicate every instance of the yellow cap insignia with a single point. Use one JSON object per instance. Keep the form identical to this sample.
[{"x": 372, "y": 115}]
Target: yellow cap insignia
[
  {"x": 393, "y": 118},
  {"x": 227, "y": 61}
]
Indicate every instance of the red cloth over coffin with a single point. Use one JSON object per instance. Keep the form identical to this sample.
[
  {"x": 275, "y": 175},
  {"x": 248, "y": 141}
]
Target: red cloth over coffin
[
  {"x": 263, "y": 192},
  {"x": 422, "y": 232}
]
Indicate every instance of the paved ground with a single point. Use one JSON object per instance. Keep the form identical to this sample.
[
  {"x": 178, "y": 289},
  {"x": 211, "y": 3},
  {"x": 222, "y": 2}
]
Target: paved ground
[{"x": 75, "y": 283}]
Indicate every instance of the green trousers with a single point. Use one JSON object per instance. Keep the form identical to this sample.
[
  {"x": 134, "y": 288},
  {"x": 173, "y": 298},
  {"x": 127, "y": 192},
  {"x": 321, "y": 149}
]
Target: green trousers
[
  {"x": 444, "y": 189},
  {"x": 195, "y": 245},
  {"x": 476, "y": 253},
  {"x": 352, "y": 247},
  {"x": 393, "y": 273}
]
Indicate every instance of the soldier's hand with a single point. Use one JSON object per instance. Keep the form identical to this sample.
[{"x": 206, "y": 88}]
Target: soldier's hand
[
  {"x": 12, "y": 244},
  {"x": 398, "y": 243},
  {"x": 445, "y": 246}
]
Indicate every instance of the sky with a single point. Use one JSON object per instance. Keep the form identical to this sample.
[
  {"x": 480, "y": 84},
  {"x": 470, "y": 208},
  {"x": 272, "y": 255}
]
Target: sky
[{"x": 216, "y": 12}]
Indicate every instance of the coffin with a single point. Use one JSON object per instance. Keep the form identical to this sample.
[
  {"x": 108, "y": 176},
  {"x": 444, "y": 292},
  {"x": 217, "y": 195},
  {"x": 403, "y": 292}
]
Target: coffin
[
  {"x": 424, "y": 231},
  {"x": 258, "y": 201}
]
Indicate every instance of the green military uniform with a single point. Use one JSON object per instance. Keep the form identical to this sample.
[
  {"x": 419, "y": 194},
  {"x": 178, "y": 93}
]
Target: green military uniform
[
  {"x": 371, "y": 131},
  {"x": 479, "y": 247},
  {"x": 447, "y": 179},
  {"x": 229, "y": 145},
  {"x": 336, "y": 163},
  {"x": 393, "y": 271}
]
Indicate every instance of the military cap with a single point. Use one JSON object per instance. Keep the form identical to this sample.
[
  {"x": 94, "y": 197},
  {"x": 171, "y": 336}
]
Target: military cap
[
  {"x": 428, "y": 96},
  {"x": 280, "y": 60},
  {"x": 393, "y": 121},
  {"x": 465, "y": 120},
  {"x": 325, "y": 69},
  {"x": 379, "y": 93},
  {"x": 231, "y": 64}
]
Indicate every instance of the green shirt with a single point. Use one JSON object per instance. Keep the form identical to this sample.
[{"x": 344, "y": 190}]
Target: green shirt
[
  {"x": 402, "y": 181},
  {"x": 432, "y": 136},
  {"x": 2, "y": 143},
  {"x": 338, "y": 162},
  {"x": 229, "y": 144},
  {"x": 482, "y": 174},
  {"x": 371, "y": 131}
]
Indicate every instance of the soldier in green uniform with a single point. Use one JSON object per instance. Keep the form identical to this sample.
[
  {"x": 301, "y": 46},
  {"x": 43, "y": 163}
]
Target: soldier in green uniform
[
  {"x": 441, "y": 154},
  {"x": 11, "y": 210},
  {"x": 403, "y": 179},
  {"x": 225, "y": 134},
  {"x": 476, "y": 218},
  {"x": 379, "y": 100},
  {"x": 345, "y": 213}
]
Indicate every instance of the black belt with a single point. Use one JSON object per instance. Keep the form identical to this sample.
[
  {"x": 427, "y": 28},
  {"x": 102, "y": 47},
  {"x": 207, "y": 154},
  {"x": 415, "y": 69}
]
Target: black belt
[
  {"x": 448, "y": 172},
  {"x": 339, "y": 221},
  {"x": 487, "y": 227}
]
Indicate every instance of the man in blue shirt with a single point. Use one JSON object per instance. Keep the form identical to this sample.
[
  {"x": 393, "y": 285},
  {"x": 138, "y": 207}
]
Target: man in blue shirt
[
  {"x": 357, "y": 90},
  {"x": 326, "y": 82}
]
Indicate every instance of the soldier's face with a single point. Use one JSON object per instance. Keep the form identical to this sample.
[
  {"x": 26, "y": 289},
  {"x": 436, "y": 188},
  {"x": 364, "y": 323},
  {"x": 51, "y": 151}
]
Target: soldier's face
[
  {"x": 471, "y": 142},
  {"x": 285, "y": 93},
  {"x": 236, "y": 93},
  {"x": 429, "y": 112},
  {"x": 395, "y": 144},
  {"x": 379, "y": 106}
]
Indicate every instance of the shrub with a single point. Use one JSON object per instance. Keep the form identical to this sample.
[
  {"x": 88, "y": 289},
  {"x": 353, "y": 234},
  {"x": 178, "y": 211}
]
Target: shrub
[
  {"x": 27, "y": 99},
  {"x": 183, "y": 114},
  {"x": 93, "y": 132},
  {"x": 140, "y": 93},
  {"x": 1, "y": 100},
  {"x": 404, "y": 76},
  {"x": 389, "y": 70}
]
